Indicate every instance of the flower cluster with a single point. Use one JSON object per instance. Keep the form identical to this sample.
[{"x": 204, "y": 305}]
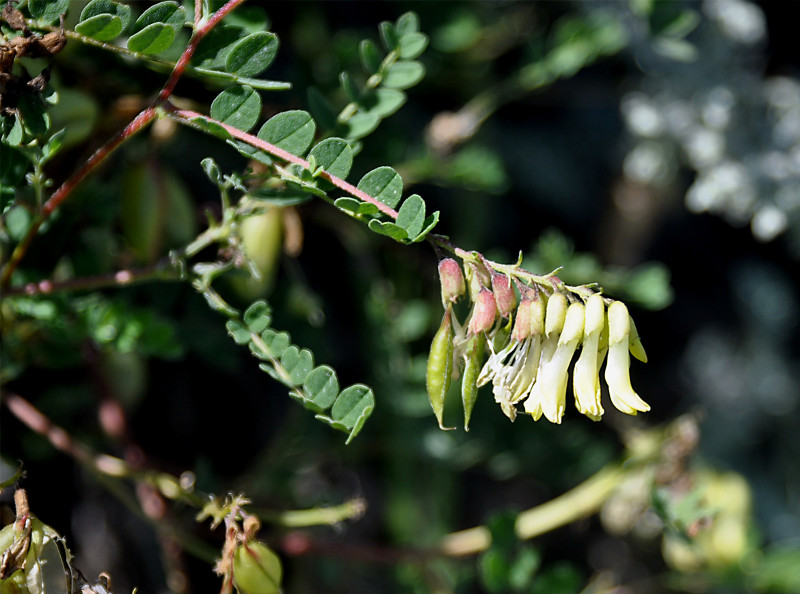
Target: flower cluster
[{"x": 532, "y": 341}]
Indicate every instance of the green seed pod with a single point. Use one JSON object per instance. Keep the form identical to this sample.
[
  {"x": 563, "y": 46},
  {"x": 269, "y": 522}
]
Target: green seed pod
[
  {"x": 256, "y": 569},
  {"x": 473, "y": 362},
  {"x": 440, "y": 367}
]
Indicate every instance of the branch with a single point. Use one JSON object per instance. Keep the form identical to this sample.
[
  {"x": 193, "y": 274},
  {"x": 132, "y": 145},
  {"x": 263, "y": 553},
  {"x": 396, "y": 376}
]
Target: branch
[
  {"x": 163, "y": 270},
  {"x": 185, "y": 116},
  {"x": 61, "y": 194}
]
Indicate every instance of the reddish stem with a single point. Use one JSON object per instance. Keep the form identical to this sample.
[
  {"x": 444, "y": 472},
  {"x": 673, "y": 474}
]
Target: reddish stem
[
  {"x": 185, "y": 115},
  {"x": 55, "y": 200},
  {"x": 197, "y": 37}
]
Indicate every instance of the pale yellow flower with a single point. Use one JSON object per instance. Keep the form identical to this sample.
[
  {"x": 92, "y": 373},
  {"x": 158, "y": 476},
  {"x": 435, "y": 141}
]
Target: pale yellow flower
[{"x": 618, "y": 365}]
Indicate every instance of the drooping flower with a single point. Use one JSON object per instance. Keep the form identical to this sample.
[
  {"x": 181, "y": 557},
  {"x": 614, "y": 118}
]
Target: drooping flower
[
  {"x": 618, "y": 366},
  {"x": 586, "y": 374},
  {"x": 548, "y": 394}
]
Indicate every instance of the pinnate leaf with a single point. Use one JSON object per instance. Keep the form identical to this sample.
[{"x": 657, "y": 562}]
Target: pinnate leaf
[
  {"x": 238, "y": 331},
  {"x": 411, "y": 215},
  {"x": 253, "y": 54},
  {"x": 293, "y": 131},
  {"x": 404, "y": 74},
  {"x": 153, "y": 39},
  {"x": 383, "y": 184},
  {"x": 238, "y": 106},
  {"x": 334, "y": 155}
]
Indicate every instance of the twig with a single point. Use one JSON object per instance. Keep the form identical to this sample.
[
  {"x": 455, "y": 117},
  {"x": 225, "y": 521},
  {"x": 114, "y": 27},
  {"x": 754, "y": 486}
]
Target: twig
[{"x": 164, "y": 270}]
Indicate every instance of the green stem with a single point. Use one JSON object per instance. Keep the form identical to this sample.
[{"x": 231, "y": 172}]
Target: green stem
[{"x": 317, "y": 516}]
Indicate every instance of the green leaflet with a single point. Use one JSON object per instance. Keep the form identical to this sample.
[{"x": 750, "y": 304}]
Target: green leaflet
[
  {"x": 153, "y": 39},
  {"x": 411, "y": 215},
  {"x": 317, "y": 388},
  {"x": 404, "y": 74},
  {"x": 47, "y": 11},
  {"x": 103, "y": 19},
  {"x": 238, "y": 106},
  {"x": 333, "y": 155},
  {"x": 253, "y": 54},
  {"x": 384, "y": 184},
  {"x": 293, "y": 131}
]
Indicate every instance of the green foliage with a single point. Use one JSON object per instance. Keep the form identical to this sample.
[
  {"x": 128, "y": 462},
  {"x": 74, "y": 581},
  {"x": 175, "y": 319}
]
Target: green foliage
[{"x": 316, "y": 387}]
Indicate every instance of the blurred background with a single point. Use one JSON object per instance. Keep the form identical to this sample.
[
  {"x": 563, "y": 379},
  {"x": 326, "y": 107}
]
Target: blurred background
[{"x": 651, "y": 147}]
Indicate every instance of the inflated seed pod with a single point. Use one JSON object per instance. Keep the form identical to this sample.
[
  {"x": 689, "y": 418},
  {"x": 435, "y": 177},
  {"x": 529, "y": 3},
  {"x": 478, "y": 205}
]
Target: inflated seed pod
[
  {"x": 256, "y": 569},
  {"x": 440, "y": 367},
  {"x": 473, "y": 362}
]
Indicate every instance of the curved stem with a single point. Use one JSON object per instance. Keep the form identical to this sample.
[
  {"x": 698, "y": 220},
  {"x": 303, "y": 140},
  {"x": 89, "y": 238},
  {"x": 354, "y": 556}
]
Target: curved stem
[{"x": 185, "y": 116}]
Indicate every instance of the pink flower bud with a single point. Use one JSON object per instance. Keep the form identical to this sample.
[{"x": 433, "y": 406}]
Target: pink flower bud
[
  {"x": 452, "y": 280},
  {"x": 522, "y": 323},
  {"x": 503, "y": 294},
  {"x": 484, "y": 312}
]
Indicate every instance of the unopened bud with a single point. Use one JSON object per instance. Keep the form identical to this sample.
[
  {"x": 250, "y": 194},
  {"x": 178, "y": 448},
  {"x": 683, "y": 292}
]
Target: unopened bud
[
  {"x": 484, "y": 312},
  {"x": 522, "y": 322},
  {"x": 503, "y": 294},
  {"x": 555, "y": 315},
  {"x": 452, "y": 281}
]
